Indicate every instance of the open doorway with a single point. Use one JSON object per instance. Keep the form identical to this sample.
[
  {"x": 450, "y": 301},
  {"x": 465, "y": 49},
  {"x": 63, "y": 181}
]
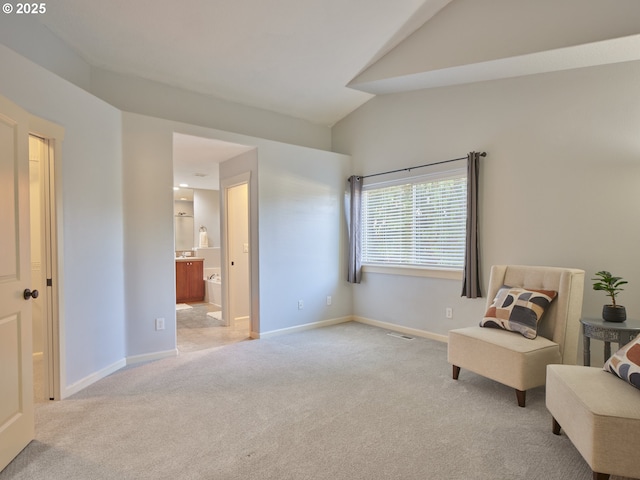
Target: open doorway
[
  {"x": 43, "y": 269},
  {"x": 198, "y": 199}
]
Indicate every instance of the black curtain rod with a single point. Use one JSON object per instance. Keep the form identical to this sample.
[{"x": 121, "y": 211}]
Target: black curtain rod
[{"x": 483, "y": 154}]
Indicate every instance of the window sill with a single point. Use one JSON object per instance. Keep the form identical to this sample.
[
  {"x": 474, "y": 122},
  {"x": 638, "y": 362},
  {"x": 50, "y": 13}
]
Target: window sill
[{"x": 412, "y": 271}]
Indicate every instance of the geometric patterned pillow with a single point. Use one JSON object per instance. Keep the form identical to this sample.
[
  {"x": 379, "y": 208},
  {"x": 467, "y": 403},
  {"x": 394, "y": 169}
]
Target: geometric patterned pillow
[
  {"x": 518, "y": 310},
  {"x": 625, "y": 363}
]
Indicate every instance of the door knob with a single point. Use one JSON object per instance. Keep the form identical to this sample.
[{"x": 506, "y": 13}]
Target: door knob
[{"x": 27, "y": 294}]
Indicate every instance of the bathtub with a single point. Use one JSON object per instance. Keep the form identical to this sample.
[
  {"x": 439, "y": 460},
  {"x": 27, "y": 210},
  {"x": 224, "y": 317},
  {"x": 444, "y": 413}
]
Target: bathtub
[{"x": 213, "y": 289}]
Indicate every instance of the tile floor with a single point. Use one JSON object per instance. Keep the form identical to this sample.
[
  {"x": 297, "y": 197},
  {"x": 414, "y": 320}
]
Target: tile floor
[{"x": 198, "y": 331}]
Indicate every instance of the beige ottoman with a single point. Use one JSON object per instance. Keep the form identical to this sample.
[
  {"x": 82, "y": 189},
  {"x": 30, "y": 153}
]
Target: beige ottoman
[{"x": 600, "y": 414}]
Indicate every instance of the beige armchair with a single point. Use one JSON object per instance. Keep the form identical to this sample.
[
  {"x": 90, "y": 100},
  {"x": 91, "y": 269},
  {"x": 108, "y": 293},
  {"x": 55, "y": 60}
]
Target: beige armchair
[{"x": 510, "y": 358}]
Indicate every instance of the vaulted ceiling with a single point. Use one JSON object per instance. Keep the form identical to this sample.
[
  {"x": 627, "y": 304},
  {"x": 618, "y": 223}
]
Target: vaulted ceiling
[
  {"x": 318, "y": 60},
  {"x": 290, "y": 56}
]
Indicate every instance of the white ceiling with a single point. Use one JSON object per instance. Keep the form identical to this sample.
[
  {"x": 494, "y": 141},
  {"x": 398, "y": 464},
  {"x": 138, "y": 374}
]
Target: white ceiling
[
  {"x": 294, "y": 57},
  {"x": 302, "y": 58},
  {"x": 196, "y": 160}
]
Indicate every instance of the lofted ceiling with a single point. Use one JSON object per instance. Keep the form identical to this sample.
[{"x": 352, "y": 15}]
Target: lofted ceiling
[
  {"x": 294, "y": 57},
  {"x": 318, "y": 60},
  {"x": 196, "y": 162}
]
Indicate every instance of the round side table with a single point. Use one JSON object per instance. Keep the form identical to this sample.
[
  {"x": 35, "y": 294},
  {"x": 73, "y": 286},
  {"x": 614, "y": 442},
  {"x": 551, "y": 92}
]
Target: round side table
[{"x": 621, "y": 333}]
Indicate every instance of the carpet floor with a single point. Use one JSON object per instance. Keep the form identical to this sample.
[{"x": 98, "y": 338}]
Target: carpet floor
[{"x": 342, "y": 402}]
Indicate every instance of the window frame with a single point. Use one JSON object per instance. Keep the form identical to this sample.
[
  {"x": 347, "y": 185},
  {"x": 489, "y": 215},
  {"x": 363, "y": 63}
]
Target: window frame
[{"x": 445, "y": 272}]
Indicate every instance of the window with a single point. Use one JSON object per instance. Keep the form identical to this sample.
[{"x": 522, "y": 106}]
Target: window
[{"x": 417, "y": 223}]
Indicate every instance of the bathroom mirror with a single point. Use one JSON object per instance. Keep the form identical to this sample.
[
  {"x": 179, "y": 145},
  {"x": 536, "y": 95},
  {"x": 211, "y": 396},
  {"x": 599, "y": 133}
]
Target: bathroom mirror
[
  {"x": 183, "y": 219},
  {"x": 184, "y": 232}
]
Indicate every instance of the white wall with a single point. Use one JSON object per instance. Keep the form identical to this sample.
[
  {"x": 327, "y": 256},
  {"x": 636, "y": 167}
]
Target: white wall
[
  {"x": 89, "y": 182},
  {"x": 148, "y": 236},
  {"x": 25, "y": 35},
  {"x": 299, "y": 228},
  {"x": 116, "y": 178},
  {"x": 297, "y": 197},
  {"x": 302, "y": 233},
  {"x": 560, "y": 185},
  {"x": 206, "y": 208},
  {"x": 155, "y": 99},
  {"x": 30, "y": 38}
]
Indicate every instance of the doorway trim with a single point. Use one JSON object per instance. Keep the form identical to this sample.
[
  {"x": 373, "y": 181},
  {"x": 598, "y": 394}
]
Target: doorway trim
[
  {"x": 53, "y": 135},
  {"x": 225, "y": 185}
]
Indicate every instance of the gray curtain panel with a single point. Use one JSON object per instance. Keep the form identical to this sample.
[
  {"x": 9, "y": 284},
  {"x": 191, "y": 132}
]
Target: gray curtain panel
[
  {"x": 354, "y": 272},
  {"x": 471, "y": 282}
]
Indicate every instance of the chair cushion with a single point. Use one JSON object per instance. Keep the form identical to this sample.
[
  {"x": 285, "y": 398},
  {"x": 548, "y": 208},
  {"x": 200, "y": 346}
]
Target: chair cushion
[
  {"x": 503, "y": 356},
  {"x": 625, "y": 363},
  {"x": 518, "y": 309},
  {"x": 600, "y": 414}
]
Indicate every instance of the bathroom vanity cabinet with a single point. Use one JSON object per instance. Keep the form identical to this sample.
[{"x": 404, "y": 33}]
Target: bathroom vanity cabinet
[{"x": 189, "y": 280}]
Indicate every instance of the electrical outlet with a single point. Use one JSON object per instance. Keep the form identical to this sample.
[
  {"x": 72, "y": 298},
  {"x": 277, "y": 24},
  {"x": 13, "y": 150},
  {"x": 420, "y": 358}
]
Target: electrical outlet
[
  {"x": 328, "y": 299},
  {"x": 449, "y": 312},
  {"x": 300, "y": 304},
  {"x": 159, "y": 323}
]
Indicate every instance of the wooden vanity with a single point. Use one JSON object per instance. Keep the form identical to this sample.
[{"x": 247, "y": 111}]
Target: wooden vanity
[{"x": 189, "y": 280}]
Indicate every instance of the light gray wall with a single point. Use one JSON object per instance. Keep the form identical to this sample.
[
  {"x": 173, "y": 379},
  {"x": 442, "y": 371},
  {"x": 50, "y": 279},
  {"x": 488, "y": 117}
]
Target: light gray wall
[
  {"x": 30, "y": 38},
  {"x": 206, "y": 207},
  {"x": 137, "y": 95},
  {"x": 117, "y": 204},
  {"x": 107, "y": 206},
  {"x": 560, "y": 185},
  {"x": 302, "y": 233},
  {"x": 299, "y": 224},
  {"x": 296, "y": 206},
  {"x": 89, "y": 180},
  {"x": 148, "y": 235},
  {"x": 25, "y": 35}
]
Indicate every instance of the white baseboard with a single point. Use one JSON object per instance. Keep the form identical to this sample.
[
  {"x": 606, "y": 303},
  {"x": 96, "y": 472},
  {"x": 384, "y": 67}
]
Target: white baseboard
[
  {"x": 114, "y": 367},
  {"x": 300, "y": 328},
  {"x": 149, "y": 357},
  {"x": 399, "y": 328},
  {"x": 368, "y": 321},
  {"x": 91, "y": 379}
]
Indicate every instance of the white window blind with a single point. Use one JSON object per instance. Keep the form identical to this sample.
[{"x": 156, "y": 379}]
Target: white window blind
[{"x": 421, "y": 223}]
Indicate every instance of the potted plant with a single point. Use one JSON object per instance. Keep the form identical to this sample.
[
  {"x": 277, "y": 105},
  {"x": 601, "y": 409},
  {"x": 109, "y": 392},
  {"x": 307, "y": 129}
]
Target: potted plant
[{"x": 609, "y": 284}]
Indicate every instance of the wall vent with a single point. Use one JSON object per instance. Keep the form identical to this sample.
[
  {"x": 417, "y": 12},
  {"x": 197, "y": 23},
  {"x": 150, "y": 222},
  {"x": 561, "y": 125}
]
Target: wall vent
[{"x": 400, "y": 335}]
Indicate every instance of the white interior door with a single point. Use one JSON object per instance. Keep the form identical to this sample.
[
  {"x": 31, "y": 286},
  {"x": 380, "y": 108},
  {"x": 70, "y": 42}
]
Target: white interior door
[
  {"x": 238, "y": 247},
  {"x": 16, "y": 363}
]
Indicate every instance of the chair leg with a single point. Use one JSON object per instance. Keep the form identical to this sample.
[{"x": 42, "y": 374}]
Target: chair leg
[
  {"x": 456, "y": 372},
  {"x": 600, "y": 476},
  {"x": 556, "y": 427},
  {"x": 521, "y": 395}
]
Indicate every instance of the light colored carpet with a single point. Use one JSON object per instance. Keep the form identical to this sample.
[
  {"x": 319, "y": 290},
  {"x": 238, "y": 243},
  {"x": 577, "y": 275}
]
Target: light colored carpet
[
  {"x": 342, "y": 402},
  {"x": 182, "y": 306}
]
